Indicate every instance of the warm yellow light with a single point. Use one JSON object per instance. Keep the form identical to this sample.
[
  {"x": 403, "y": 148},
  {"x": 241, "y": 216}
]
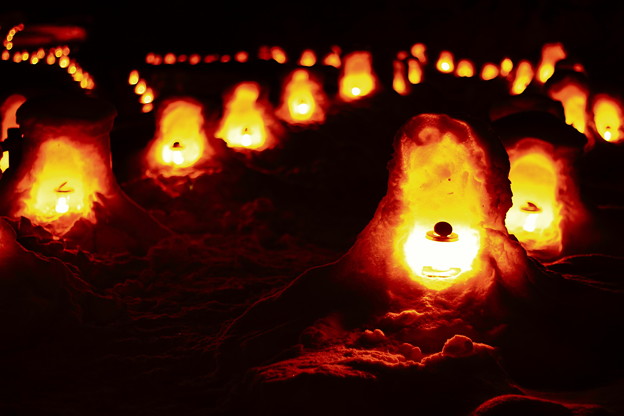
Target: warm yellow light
[
  {"x": 506, "y": 67},
  {"x": 523, "y": 77},
  {"x": 573, "y": 97},
  {"x": 418, "y": 50},
  {"x": 140, "y": 87},
  {"x": 536, "y": 215},
  {"x": 414, "y": 71},
  {"x": 278, "y": 54},
  {"x": 243, "y": 123},
  {"x": 333, "y": 57},
  {"x": 133, "y": 78},
  {"x": 180, "y": 141},
  {"x": 399, "y": 80},
  {"x": 302, "y": 99},
  {"x": 308, "y": 58},
  {"x": 465, "y": 68},
  {"x": 551, "y": 54},
  {"x": 241, "y": 56},
  {"x": 607, "y": 117},
  {"x": 357, "y": 79},
  {"x": 169, "y": 59},
  {"x": 4, "y": 161},
  {"x": 446, "y": 62},
  {"x": 489, "y": 71},
  {"x": 439, "y": 259},
  {"x": 62, "y": 206}
]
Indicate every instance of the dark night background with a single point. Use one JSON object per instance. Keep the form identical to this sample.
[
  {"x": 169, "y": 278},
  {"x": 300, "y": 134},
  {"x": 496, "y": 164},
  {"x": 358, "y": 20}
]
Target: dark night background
[{"x": 287, "y": 212}]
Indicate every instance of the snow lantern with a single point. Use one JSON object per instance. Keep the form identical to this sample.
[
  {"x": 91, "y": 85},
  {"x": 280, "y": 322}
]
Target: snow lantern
[
  {"x": 357, "y": 78},
  {"x": 547, "y": 208},
  {"x": 606, "y": 118},
  {"x": 65, "y": 179},
  {"x": 303, "y": 100},
  {"x": 441, "y": 222},
  {"x": 247, "y": 122},
  {"x": 180, "y": 146}
]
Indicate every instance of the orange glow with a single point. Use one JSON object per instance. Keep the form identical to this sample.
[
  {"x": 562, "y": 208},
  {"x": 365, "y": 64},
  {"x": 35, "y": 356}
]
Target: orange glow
[
  {"x": 6, "y": 55},
  {"x": 150, "y": 58},
  {"x": 333, "y": 57},
  {"x": 308, "y": 58},
  {"x": 278, "y": 55},
  {"x": 140, "y": 87},
  {"x": 551, "y": 54},
  {"x": 440, "y": 183},
  {"x": 465, "y": 68},
  {"x": 133, "y": 78},
  {"x": 264, "y": 53},
  {"x": 607, "y": 113},
  {"x": 4, "y": 161},
  {"x": 147, "y": 97},
  {"x": 62, "y": 184},
  {"x": 399, "y": 80},
  {"x": 243, "y": 124},
  {"x": 241, "y": 56},
  {"x": 194, "y": 59},
  {"x": 357, "y": 79},
  {"x": 536, "y": 215},
  {"x": 303, "y": 99},
  {"x": 402, "y": 55},
  {"x": 169, "y": 59},
  {"x": 505, "y": 67},
  {"x": 414, "y": 71},
  {"x": 523, "y": 77},
  {"x": 63, "y": 61},
  {"x": 573, "y": 96},
  {"x": 445, "y": 62},
  {"x": 489, "y": 71},
  {"x": 180, "y": 142},
  {"x": 419, "y": 51}
]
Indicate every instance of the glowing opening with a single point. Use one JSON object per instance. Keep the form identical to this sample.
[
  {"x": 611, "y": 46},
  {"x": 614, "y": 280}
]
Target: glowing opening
[{"x": 536, "y": 215}]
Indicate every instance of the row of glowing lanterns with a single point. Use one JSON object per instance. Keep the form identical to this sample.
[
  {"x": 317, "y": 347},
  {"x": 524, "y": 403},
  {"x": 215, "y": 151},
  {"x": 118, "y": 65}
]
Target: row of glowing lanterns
[
  {"x": 59, "y": 56},
  {"x": 358, "y": 80}
]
